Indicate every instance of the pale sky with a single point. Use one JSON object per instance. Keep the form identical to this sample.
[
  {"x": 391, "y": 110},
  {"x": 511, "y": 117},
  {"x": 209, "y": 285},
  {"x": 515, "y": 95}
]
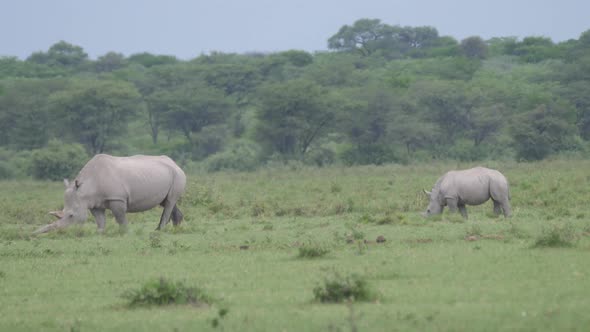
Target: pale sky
[{"x": 187, "y": 29}]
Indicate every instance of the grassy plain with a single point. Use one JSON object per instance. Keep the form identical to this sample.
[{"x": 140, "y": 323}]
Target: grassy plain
[{"x": 241, "y": 240}]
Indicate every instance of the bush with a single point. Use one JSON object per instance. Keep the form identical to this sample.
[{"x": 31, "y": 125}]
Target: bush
[
  {"x": 312, "y": 250},
  {"x": 5, "y": 170},
  {"x": 557, "y": 236},
  {"x": 57, "y": 161},
  {"x": 240, "y": 156},
  {"x": 339, "y": 289},
  {"x": 164, "y": 292}
]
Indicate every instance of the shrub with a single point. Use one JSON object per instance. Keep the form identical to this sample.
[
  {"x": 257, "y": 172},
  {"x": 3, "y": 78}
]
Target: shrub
[
  {"x": 57, "y": 161},
  {"x": 339, "y": 288},
  {"x": 5, "y": 171},
  {"x": 240, "y": 156},
  {"x": 312, "y": 250},
  {"x": 164, "y": 292},
  {"x": 557, "y": 236}
]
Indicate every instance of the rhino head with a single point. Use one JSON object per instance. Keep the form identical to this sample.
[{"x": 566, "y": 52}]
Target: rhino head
[
  {"x": 435, "y": 205},
  {"x": 74, "y": 210}
]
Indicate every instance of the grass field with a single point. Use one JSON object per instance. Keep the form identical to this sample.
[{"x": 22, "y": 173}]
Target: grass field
[{"x": 244, "y": 242}]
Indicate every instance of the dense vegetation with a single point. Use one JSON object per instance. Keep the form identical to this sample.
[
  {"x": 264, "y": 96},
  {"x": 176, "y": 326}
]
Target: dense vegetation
[{"x": 381, "y": 94}]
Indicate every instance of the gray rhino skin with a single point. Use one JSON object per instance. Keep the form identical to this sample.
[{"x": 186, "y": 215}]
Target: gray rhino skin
[
  {"x": 121, "y": 184},
  {"x": 472, "y": 186}
]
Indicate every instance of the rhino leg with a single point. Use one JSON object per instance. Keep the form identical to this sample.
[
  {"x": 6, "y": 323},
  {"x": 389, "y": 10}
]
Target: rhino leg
[
  {"x": 168, "y": 208},
  {"x": 497, "y": 208},
  {"x": 100, "y": 218},
  {"x": 506, "y": 208},
  {"x": 176, "y": 216},
  {"x": 502, "y": 207},
  {"x": 452, "y": 204},
  {"x": 119, "y": 209},
  {"x": 463, "y": 210}
]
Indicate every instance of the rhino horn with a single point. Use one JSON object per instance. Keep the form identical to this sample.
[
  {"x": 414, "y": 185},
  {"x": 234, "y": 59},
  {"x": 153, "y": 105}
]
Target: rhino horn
[
  {"x": 426, "y": 192},
  {"x": 61, "y": 223},
  {"x": 57, "y": 214}
]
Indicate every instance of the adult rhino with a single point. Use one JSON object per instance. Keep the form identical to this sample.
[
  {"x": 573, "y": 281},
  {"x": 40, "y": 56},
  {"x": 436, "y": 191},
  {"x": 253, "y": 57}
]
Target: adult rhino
[
  {"x": 121, "y": 184},
  {"x": 472, "y": 186}
]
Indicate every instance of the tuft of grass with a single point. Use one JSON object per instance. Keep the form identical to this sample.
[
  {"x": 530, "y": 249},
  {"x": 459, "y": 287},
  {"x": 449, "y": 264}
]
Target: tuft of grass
[
  {"x": 557, "y": 236},
  {"x": 312, "y": 250},
  {"x": 164, "y": 292},
  {"x": 338, "y": 288}
]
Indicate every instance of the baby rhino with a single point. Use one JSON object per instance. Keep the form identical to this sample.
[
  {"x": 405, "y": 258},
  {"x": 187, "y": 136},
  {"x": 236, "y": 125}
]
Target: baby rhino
[{"x": 472, "y": 186}]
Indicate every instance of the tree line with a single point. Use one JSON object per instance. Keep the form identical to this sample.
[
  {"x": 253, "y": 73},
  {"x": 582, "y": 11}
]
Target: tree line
[{"x": 381, "y": 94}]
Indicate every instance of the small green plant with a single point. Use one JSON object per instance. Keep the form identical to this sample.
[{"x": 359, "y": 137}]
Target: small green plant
[
  {"x": 335, "y": 188},
  {"x": 338, "y": 288},
  {"x": 164, "y": 292},
  {"x": 312, "y": 250},
  {"x": 155, "y": 240},
  {"x": 557, "y": 236},
  {"x": 215, "y": 322}
]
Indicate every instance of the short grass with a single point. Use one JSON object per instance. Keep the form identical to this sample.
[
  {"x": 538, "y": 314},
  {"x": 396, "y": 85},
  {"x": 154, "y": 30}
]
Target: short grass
[{"x": 241, "y": 246}]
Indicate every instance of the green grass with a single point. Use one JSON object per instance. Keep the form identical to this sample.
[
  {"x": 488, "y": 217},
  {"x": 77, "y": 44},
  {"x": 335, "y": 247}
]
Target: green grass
[{"x": 241, "y": 240}]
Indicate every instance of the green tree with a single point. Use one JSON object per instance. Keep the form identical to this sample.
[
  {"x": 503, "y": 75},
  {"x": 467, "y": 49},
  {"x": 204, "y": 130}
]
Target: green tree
[
  {"x": 364, "y": 36},
  {"x": 25, "y": 121},
  {"x": 93, "y": 112},
  {"x": 474, "y": 47},
  {"x": 542, "y": 131},
  {"x": 149, "y": 60},
  {"x": 292, "y": 115},
  {"x": 191, "y": 107},
  {"x": 110, "y": 62},
  {"x": 61, "y": 54}
]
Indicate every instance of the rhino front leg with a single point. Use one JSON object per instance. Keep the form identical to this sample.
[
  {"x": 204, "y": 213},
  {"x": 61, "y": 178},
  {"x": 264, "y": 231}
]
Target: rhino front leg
[
  {"x": 100, "y": 218},
  {"x": 452, "y": 204},
  {"x": 119, "y": 209}
]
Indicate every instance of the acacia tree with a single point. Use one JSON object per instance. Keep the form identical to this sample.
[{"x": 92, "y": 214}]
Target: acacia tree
[
  {"x": 363, "y": 36},
  {"x": 292, "y": 115},
  {"x": 93, "y": 112}
]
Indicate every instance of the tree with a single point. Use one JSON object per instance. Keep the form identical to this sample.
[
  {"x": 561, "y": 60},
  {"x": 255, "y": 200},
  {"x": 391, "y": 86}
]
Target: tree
[
  {"x": 363, "y": 36},
  {"x": 93, "y": 112},
  {"x": 291, "y": 116},
  {"x": 447, "y": 105},
  {"x": 61, "y": 54},
  {"x": 191, "y": 107},
  {"x": 474, "y": 47},
  {"x": 149, "y": 60},
  {"x": 542, "y": 131},
  {"x": 25, "y": 122},
  {"x": 110, "y": 62}
]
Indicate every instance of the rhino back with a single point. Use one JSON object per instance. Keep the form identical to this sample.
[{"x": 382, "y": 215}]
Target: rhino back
[
  {"x": 471, "y": 186},
  {"x": 142, "y": 181}
]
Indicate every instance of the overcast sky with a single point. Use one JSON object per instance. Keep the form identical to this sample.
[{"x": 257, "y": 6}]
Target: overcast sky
[{"x": 186, "y": 28}]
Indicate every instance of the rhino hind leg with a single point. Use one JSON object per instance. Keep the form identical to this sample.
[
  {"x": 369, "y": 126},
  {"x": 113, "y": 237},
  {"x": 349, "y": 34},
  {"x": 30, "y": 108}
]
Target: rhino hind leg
[
  {"x": 176, "y": 216},
  {"x": 168, "y": 208},
  {"x": 502, "y": 207},
  {"x": 463, "y": 210}
]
